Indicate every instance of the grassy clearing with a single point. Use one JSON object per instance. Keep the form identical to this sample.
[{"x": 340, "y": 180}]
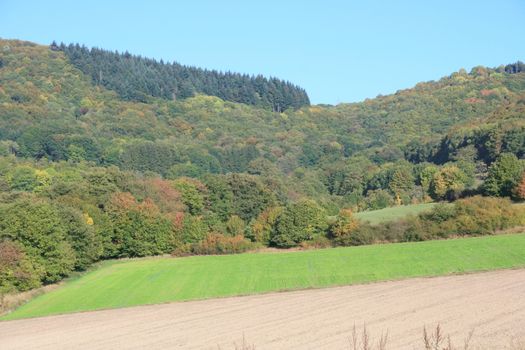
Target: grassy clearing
[
  {"x": 393, "y": 213},
  {"x": 158, "y": 280}
]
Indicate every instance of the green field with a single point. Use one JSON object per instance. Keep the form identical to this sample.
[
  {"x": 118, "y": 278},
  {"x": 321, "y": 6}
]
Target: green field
[
  {"x": 393, "y": 213},
  {"x": 157, "y": 280}
]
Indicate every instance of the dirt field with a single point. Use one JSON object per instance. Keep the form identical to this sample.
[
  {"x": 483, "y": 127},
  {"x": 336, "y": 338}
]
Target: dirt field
[{"x": 493, "y": 304}]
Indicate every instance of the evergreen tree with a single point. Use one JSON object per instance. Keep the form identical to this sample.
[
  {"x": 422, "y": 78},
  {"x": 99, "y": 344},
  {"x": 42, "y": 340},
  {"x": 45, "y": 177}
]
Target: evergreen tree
[{"x": 137, "y": 78}]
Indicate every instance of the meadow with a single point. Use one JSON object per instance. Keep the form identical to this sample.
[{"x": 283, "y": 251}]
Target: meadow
[
  {"x": 393, "y": 213},
  {"x": 123, "y": 283}
]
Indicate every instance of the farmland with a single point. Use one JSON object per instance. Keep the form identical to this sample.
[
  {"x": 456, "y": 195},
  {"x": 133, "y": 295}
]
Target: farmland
[
  {"x": 158, "y": 280},
  {"x": 491, "y": 303}
]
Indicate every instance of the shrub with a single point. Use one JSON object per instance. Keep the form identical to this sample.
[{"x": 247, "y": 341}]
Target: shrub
[
  {"x": 216, "y": 243},
  {"x": 318, "y": 242},
  {"x": 472, "y": 216},
  {"x": 342, "y": 230},
  {"x": 486, "y": 215}
]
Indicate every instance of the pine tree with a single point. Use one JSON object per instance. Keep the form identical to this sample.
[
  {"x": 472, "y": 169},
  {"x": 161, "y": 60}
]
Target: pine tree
[{"x": 136, "y": 78}]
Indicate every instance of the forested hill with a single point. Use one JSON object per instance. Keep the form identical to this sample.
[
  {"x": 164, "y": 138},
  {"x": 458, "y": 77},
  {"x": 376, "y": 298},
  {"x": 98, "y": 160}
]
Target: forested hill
[
  {"x": 51, "y": 110},
  {"x": 88, "y": 173},
  {"x": 137, "y": 78}
]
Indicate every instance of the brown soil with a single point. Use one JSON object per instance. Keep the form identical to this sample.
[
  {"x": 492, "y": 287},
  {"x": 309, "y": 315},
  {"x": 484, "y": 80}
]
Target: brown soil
[{"x": 492, "y": 303}]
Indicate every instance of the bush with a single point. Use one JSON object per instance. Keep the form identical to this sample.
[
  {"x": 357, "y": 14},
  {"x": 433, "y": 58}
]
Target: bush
[
  {"x": 318, "y": 242},
  {"x": 342, "y": 230},
  {"x": 472, "y": 216},
  {"x": 486, "y": 215},
  {"x": 216, "y": 243}
]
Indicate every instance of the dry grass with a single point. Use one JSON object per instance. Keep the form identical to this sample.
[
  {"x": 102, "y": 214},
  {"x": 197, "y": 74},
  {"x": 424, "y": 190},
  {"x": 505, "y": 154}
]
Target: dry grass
[
  {"x": 437, "y": 340},
  {"x": 434, "y": 339},
  {"x": 9, "y": 302},
  {"x": 243, "y": 345},
  {"x": 363, "y": 341}
]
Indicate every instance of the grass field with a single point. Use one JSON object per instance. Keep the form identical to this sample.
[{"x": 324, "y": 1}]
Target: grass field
[
  {"x": 393, "y": 213},
  {"x": 157, "y": 280}
]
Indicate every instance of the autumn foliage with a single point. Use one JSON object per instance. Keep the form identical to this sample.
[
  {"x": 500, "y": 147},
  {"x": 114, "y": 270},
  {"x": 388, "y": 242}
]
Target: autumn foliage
[{"x": 519, "y": 190}]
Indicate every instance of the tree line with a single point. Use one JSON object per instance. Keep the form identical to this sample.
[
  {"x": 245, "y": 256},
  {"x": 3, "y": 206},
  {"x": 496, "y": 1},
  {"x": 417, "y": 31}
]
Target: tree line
[
  {"x": 60, "y": 217},
  {"x": 135, "y": 78}
]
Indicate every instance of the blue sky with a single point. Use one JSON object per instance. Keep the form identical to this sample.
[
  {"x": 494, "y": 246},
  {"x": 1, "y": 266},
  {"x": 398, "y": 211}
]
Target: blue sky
[{"x": 339, "y": 51}]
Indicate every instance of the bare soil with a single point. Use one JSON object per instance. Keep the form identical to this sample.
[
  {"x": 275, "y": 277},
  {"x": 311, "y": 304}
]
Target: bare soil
[{"x": 491, "y": 303}]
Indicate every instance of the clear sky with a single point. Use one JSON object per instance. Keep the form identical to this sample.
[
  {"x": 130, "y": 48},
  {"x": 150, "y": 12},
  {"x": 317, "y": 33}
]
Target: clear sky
[{"x": 339, "y": 51}]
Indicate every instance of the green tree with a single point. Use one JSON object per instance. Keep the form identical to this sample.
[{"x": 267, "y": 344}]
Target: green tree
[
  {"x": 250, "y": 196},
  {"x": 81, "y": 235},
  {"x": 448, "y": 182},
  {"x": 260, "y": 229},
  {"x": 235, "y": 226},
  {"x": 378, "y": 199},
  {"x": 144, "y": 234},
  {"x": 36, "y": 225},
  {"x": 139, "y": 229},
  {"x": 194, "y": 229},
  {"x": 220, "y": 195},
  {"x": 23, "y": 178},
  {"x": 504, "y": 174},
  {"x": 191, "y": 194},
  {"x": 184, "y": 170},
  {"x": 298, "y": 222},
  {"x": 425, "y": 176}
]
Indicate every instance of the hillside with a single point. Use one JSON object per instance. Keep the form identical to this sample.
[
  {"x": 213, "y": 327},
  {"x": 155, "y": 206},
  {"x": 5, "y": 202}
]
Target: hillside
[
  {"x": 43, "y": 96},
  {"x": 88, "y": 173}
]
